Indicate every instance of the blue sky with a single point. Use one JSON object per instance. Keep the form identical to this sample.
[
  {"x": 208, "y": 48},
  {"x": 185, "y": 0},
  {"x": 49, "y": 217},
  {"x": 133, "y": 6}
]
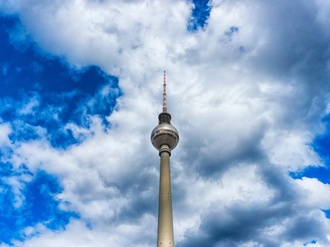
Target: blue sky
[{"x": 248, "y": 90}]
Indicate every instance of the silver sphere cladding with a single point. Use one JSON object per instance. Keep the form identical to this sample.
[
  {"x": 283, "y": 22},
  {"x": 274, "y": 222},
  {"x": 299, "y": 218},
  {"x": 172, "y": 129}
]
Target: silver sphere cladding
[{"x": 164, "y": 133}]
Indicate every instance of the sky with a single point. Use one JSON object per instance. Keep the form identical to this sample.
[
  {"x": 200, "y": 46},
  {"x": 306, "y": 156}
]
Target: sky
[{"x": 248, "y": 86}]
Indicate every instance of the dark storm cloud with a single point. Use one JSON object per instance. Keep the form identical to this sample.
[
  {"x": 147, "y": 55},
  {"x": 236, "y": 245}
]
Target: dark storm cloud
[
  {"x": 295, "y": 40},
  {"x": 215, "y": 158},
  {"x": 294, "y": 50},
  {"x": 144, "y": 202},
  {"x": 297, "y": 50},
  {"x": 262, "y": 223}
]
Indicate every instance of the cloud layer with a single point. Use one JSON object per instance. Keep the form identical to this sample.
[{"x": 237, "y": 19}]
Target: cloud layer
[{"x": 247, "y": 93}]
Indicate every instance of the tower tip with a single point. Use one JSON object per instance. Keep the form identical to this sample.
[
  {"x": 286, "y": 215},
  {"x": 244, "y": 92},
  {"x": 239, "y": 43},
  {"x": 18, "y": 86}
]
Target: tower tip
[{"x": 164, "y": 93}]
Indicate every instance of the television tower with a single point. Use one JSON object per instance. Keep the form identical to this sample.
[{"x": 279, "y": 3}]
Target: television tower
[{"x": 164, "y": 138}]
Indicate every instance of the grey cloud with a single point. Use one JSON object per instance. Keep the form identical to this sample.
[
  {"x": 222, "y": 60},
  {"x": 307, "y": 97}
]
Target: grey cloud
[{"x": 273, "y": 223}]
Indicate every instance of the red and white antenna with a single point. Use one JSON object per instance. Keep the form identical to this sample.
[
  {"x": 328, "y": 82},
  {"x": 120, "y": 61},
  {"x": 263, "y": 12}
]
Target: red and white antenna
[{"x": 164, "y": 93}]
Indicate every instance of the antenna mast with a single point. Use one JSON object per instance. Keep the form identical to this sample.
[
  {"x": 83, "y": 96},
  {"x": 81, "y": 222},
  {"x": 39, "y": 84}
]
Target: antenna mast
[{"x": 164, "y": 93}]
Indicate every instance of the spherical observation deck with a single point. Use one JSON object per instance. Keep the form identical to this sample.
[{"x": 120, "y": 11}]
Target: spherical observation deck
[{"x": 164, "y": 133}]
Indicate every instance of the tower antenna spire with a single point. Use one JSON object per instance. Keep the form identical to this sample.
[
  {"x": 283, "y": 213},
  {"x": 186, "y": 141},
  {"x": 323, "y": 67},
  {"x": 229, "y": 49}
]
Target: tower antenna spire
[{"x": 164, "y": 93}]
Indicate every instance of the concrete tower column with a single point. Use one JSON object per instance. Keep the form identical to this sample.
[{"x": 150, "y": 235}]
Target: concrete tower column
[{"x": 165, "y": 218}]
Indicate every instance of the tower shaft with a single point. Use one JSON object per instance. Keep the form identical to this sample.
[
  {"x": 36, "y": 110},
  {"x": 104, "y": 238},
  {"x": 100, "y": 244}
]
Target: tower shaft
[{"x": 165, "y": 236}]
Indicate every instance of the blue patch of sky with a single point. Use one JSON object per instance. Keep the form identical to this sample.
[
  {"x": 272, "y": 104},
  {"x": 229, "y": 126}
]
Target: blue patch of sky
[
  {"x": 321, "y": 143},
  {"x": 321, "y": 173},
  {"x": 57, "y": 93},
  {"x": 311, "y": 242},
  {"x": 199, "y": 15},
  {"x": 39, "y": 205},
  {"x": 321, "y": 146},
  {"x": 41, "y": 92},
  {"x": 327, "y": 213}
]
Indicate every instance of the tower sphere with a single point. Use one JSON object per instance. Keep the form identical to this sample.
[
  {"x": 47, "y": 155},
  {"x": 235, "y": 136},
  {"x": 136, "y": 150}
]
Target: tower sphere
[{"x": 164, "y": 133}]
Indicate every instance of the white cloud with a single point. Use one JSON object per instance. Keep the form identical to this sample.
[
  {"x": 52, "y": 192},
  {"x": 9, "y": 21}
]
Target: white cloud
[
  {"x": 5, "y": 130},
  {"x": 317, "y": 194},
  {"x": 29, "y": 107},
  {"x": 291, "y": 150}
]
